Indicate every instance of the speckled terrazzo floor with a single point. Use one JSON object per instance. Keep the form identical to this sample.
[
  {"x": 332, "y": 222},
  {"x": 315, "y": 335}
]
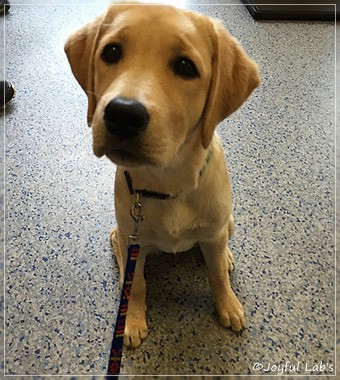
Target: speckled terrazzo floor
[{"x": 61, "y": 286}]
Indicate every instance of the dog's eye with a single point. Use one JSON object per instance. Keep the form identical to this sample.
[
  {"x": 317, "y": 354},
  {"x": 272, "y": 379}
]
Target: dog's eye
[
  {"x": 112, "y": 53},
  {"x": 185, "y": 68}
]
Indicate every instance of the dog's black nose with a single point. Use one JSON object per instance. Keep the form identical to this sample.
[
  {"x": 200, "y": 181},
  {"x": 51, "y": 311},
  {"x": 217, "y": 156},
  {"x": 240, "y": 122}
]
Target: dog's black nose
[{"x": 125, "y": 117}]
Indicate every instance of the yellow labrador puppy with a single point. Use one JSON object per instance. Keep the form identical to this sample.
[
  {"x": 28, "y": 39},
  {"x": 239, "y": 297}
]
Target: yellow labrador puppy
[{"x": 158, "y": 81}]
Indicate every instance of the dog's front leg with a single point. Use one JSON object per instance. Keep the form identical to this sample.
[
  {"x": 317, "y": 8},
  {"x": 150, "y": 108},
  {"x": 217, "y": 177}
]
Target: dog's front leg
[
  {"x": 136, "y": 328},
  {"x": 220, "y": 264}
]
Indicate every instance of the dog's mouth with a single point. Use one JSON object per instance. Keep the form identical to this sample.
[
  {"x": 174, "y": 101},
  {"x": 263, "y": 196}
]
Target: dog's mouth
[{"x": 127, "y": 158}]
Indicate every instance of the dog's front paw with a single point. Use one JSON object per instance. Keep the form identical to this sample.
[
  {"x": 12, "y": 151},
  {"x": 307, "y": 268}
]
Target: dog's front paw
[
  {"x": 136, "y": 330},
  {"x": 232, "y": 314}
]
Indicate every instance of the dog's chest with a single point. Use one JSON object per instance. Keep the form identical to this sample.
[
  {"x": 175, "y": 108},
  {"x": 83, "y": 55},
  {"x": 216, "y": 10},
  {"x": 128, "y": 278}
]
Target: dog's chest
[{"x": 174, "y": 229}]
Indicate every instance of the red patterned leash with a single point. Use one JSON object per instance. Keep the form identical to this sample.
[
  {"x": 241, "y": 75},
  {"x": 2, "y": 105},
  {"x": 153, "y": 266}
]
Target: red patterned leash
[{"x": 133, "y": 251}]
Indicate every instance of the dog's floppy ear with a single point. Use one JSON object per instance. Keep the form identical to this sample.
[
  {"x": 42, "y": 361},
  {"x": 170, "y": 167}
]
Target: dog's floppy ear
[
  {"x": 234, "y": 77},
  {"x": 80, "y": 48}
]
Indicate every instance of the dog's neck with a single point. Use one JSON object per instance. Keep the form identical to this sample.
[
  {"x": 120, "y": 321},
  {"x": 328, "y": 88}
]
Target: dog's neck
[{"x": 182, "y": 176}]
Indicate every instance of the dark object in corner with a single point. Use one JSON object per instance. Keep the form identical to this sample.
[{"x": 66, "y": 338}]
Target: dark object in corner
[
  {"x": 7, "y": 93},
  {"x": 4, "y": 6},
  {"x": 285, "y": 10}
]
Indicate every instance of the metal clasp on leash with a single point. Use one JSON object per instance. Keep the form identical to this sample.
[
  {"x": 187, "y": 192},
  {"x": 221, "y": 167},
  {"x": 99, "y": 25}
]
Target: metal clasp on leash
[{"x": 135, "y": 213}]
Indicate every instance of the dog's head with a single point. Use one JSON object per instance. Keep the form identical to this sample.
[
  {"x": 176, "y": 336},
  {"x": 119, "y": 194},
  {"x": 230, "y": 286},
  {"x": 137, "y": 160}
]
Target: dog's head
[{"x": 153, "y": 76}]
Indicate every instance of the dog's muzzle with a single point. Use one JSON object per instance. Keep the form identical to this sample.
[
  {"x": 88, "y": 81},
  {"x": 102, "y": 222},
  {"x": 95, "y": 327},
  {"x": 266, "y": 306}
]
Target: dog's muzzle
[{"x": 125, "y": 118}]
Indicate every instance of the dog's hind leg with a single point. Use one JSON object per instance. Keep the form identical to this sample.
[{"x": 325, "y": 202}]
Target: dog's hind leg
[
  {"x": 117, "y": 244},
  {"x": 231, "y": 231},
  {"x": 231, "y": 226}
]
